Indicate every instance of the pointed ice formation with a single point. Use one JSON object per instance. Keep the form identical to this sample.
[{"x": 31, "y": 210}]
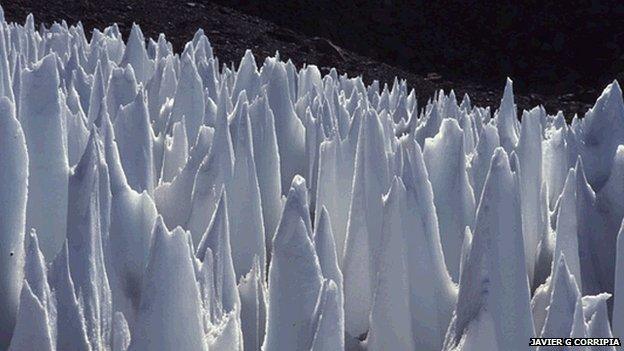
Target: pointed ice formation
[
  {"x": 445, "y": 159},
  {"x": 35, "y": 273},
  {"x": 160, "y": 88},
  {"x": 169, "y": 317},
  {"x": 567, "y": 224},
  {"x": 245, "y": 202},
  {"x": 71, "y": 333},
  {"x": 598, "y": 325},
  {"x": 217, "y": 239},
  {"x": 565, "y": 294},
  {"x": 173, "y": 199},
  {"x": 175, "y": 152},
  {"x": 132, "y": 218},
  {"x": 32, "y": 328},
  {"x": 483, "y": 292},
  {"x": 13, "y": 192},
  {"x": 212, "y": 308},
  {"x": 136, "y": 55},
  {"x": 579, "y": 327},
  {"x": 77, "y": 134},
  {"x": 85, "y": 249},
  {"x": 227, "y": 334},
  {"x": 602, "y": 131},
  {"x": 329, "y": 332},
  {"x": 133, "y": 135},
  {"x": 326, "y": 251},
  {"x": 507, "y": 122},
  {"x": 555, "y": 165},
  {"x": 429, "y": 125},
  {"x": 215, "y": 171},
  {"x": 189, "y": 99},
  {"x": 596, "y": 254},
  {"x": 432, "y": 292},
  {"x": 364, "y": 228},
  {"x": 98, "y": 92},
  {"x": 336, "y": 160},
  {"x": 121, "y": 90},
  {"x": 41, "y": 119},
  {"x": 529, "y": 151},
  {"x": 253, "y": 307},
  {"x": 267, "y": 161},
  {"x": 247, "y": 76},
  {"x": 390, "y": 320},
  {"x": 288, "y": 127},
  {"x": 295, "y": 280}
]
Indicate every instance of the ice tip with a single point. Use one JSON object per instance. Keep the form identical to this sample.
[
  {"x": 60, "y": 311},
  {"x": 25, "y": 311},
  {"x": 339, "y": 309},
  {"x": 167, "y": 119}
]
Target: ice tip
[
  {"x": 297, "y": 194},
  {"x": 159, "y": 226},
  {"x": 612, "y": 92},
  {"x": 249, "y": 55},
  {"x": 450, "y": 125},
  {"x": 508, "y": 92},
  {"x": 578, "y": 166},
  {"x": 136, "y": 30},
  {"x": 31, "y": 240},
  {"x": 222, "y": 205},
  {"x": 397, "y": 183},
  {"x": 571, "y": 175},
  {"x": 500, "y": 156},
  {"x": 562, "y": 264},
  {"x": 89, "y": 155},
  {"x": 46, "y": 63},
  {"x": 324, "y": 215},
  {"x": 298, "y": 183},
  {"x": 615, "y": 85},
  {"x": 508, "y": 83}
]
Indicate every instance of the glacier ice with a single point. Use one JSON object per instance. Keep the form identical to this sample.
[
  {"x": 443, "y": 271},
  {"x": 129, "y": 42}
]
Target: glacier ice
[
  {"x": 565, "y": 294},
  {"x": 252, "y": 289},
  {"x": 364, "y": 227},
  {"x": 294, "y": 278},
  {"x": 495, "y": 271},
  {"x": 445, "y": 159},
  {"x": 163, "y": 200},
  {"x": 168, "y": 316},
  {"x": 13, "y": 190},
  {"x": 46, "y": 141},
  {"x": 32, "y": 329},
  {"x": 390, "y": 321}
]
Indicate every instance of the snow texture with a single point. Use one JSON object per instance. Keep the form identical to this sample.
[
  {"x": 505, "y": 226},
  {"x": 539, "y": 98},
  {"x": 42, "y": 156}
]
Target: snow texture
[{"x": 154, "y": 200}]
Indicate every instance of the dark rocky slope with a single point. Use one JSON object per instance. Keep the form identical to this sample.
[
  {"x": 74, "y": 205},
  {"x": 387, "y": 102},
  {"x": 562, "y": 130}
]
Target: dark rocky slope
[{"x": 231, "y": 32}]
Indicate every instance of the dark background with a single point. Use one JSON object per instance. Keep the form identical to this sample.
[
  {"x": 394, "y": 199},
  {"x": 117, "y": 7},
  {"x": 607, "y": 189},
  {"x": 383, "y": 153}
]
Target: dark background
[
  {"x": 560, "y": 54},
  {"x": 547, "y": 46}
]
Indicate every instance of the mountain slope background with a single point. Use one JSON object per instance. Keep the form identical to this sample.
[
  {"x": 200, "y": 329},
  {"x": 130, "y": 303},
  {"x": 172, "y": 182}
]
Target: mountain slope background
[{"x": 558, "y": 55}]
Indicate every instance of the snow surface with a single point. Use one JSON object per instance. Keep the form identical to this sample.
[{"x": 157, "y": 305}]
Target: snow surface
[{"x": 153, "y": 200}]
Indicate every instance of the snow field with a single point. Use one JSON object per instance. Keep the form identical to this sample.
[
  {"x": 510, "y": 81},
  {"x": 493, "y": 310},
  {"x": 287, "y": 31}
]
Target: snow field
[{"x": 154, "y": 200}]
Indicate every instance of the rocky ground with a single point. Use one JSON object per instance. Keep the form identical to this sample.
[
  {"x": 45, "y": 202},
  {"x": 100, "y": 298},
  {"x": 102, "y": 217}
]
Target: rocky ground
[{"x": 231, "y": 32}]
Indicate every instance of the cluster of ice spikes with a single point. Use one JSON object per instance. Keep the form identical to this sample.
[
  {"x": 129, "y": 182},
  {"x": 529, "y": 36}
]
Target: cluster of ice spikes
[{"x": 160, "y": 201}]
